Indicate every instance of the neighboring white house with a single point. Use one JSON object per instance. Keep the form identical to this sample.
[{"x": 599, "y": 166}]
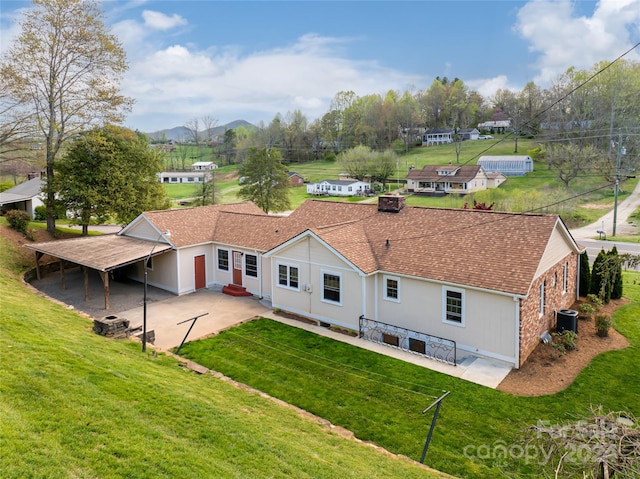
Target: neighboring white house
[
  {"x": 437, "y": 136},
  {"x": 204, "y": 166},
  {"x": 441, "y": 179},
  {"x": 339, "y": 188},
  {"x": 468, "y": 133},
  {"x": 26, "y": 196},
  {"x": 175, "y": 177},
  {"x": 495, "y": 126},
  {"x": 512, "y": 165}
]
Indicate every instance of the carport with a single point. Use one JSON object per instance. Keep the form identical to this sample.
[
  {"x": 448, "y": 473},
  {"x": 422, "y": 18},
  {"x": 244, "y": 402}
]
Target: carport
[{"x": 104, "y": 253}]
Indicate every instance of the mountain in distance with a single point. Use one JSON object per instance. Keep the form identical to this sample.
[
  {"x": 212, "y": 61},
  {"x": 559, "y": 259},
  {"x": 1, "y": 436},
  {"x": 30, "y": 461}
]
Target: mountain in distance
[{"x": 181, "y": 133}]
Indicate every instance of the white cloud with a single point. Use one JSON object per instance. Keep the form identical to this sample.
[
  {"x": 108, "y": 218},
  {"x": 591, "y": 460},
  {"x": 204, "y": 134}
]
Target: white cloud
[
  {"x": 179, "y": 82},
  {"x": 487, "y": 87},
  {"x": 160, "y": 21},
  {"x": 10, "y": 27},
  {"x": 564, "y": 39}
]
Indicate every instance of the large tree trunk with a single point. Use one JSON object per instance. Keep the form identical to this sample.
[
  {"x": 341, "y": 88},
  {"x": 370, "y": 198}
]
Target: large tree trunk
[{"x": 51, "y": 200}]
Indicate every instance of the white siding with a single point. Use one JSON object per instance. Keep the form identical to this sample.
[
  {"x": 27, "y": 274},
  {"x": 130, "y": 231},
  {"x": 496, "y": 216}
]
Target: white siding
[
  {"x": 557, "y": 249},
  {"x": 142, "y": 229},
  {"x": 164, "y": 273},
  {"x": 489, "y": 323},
  {"x": 187, "y": 270},
  {"x": 313, "y": 259}
]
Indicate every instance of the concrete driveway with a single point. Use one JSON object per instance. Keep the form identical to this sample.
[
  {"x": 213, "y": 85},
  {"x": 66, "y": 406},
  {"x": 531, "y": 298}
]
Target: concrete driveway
[{"x": 220, "y": 312}]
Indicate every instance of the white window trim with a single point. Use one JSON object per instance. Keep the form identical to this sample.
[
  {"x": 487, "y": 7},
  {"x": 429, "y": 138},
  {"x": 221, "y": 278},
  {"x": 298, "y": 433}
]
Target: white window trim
[
  {"x": 228, "y": 260},
  {"x": 328, "y": 301},
  {"x": 541, "y": 304},
  {"x": 288, "y": 266},
  {"x": 565, "y": 278},
  {"x": 244, "y": 264},
  {"x": 463, "y": 315},
  {"x": 385, "y": 278}
]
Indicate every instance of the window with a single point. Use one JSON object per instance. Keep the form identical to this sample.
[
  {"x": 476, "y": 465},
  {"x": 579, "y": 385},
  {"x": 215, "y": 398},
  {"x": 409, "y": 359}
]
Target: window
[
  {"x": 565, "y": 277},
  {"x": 453, "y": 306},
  {"x": 417, "y": 346},
  {"x": 288, "y": 276},
  {"x": 542, "y": 298},
  {"x": 331, "y": 287},
  {"x": 392, "y": 288},
  {"x": 390, "y": 339},
  {"x": 223, "y": 259},
  {"x": 251, "y": 265}
]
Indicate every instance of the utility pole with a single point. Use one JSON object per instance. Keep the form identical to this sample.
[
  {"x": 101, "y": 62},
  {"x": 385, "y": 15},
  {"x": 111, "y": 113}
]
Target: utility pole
[{"x": 615, "y": 194}]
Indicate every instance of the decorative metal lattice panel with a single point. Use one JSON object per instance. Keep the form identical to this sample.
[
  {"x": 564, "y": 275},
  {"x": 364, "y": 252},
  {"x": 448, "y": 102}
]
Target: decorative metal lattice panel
[{"x": 422, "y": 344}]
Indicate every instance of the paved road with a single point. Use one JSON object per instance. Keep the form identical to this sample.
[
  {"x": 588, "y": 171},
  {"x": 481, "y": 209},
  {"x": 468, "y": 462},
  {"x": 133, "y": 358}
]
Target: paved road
[{"x": 587, "y": 236}]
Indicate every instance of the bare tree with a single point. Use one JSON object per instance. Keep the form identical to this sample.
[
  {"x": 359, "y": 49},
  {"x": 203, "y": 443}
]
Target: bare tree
[
  {"x": 209, "y": 123},
  {"x": 569, "y": 160},
  {"x": 67, "y": 67},
  {"x": 598, "y": 447},
  {"x": 193, "y": 131},
  {"x": 16, "y": 126}
]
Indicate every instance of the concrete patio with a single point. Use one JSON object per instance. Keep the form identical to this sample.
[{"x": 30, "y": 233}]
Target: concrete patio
[{"x": 165, "y": 311}]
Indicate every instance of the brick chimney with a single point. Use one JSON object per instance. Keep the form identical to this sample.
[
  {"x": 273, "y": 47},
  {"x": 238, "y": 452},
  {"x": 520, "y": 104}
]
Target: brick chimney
[{"x": 390, "y": 203}]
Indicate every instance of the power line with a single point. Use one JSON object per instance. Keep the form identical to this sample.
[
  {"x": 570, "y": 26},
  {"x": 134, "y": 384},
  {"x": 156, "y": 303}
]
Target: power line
[
  {"x": 563, "y": 97},
  {"x": 280, "y": 349}
]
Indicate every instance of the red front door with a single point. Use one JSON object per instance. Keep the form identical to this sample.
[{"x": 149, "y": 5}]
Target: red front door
[
  {"x": 237, "y": 268},
  {"x": 200, "y": 271}
]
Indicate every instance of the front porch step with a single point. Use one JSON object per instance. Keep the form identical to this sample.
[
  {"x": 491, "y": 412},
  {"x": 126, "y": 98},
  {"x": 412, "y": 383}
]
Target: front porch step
[{"x": 235, "y": 290}]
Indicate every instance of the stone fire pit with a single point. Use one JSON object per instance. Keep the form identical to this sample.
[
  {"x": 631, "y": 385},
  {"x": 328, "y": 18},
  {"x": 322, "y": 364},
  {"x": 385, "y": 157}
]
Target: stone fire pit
[{"x": 111, "y": 327}]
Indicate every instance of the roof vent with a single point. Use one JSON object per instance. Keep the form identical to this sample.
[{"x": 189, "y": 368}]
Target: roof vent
[{"x": 390, "y": 203}]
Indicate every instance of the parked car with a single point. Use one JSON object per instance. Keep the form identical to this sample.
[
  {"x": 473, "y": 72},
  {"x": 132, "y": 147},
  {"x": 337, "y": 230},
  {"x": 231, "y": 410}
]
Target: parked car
[{"x": 485, "y": 137}]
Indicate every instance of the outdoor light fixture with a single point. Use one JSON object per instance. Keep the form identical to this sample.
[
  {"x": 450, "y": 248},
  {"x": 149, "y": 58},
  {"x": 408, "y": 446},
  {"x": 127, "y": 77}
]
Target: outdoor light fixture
[{"x": 166, "y": 234}]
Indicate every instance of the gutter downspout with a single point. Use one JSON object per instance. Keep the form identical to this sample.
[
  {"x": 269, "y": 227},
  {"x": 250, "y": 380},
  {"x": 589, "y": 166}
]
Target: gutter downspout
[{"x": 516, "y": 301}]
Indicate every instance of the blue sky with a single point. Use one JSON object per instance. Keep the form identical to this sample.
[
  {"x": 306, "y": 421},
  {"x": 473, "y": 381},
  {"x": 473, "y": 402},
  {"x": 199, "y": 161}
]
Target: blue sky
[{"x": 253, "y": 59}]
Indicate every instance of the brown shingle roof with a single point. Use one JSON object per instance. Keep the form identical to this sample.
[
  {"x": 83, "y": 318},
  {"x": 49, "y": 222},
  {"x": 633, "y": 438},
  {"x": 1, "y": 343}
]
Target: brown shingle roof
[
  {"x": 483, "y": 249},
  {"x": 191, "y": 226},
  {"x": 104, "y": 252}
]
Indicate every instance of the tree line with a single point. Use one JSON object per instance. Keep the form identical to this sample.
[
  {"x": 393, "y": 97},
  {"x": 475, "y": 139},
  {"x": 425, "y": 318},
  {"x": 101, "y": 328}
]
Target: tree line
[{"x": 60, "y": 79}]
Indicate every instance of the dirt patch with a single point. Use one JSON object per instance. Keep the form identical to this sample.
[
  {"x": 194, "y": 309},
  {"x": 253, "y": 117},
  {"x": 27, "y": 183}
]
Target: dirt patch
[
  {"x": 548, "y": 371},
  {"x": 40, "y": 235},
  {"x": 596, "y": 206}
]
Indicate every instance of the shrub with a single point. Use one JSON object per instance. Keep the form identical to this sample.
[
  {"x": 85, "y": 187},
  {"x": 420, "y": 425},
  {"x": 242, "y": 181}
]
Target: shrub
[
  {"x": 585, "y": 274},
  {"x": 18, "y": 220},
  {"x": 586, "y": 311},
  {"x": 30, "y": 234},
  {"x": 603, "y": 323},
  {"x": 595, "y": 300},
  {"x": 564, "y": 341},
  {"x": 40, "y": 213}
]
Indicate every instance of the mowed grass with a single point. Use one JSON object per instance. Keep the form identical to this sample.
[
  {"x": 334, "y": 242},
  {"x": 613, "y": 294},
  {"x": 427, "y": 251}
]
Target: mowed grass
[
  {"x": 74, "y": 404},
  {"x": 381, "y": 399}
]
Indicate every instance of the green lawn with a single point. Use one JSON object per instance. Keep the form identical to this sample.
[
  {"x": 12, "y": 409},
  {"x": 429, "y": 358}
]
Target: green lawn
[
  {"x": 381, "y": 399},
  {"x": 590, "y": 197},
  {"x": 77, "y": 405}
]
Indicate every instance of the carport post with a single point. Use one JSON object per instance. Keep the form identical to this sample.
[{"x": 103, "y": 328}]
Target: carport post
[
  {"x": 144, "y": 299},
  {"x": 86, "y": 283}
]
